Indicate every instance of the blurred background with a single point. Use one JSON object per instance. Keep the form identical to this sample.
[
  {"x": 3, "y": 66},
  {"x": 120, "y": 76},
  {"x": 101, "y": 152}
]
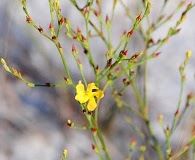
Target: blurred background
[{"x": 33, "y": 120}]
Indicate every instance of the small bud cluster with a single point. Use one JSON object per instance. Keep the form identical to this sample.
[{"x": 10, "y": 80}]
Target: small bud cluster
[
  {"x": 183, "y": 66},
  {"x": 16, "y": 73}
]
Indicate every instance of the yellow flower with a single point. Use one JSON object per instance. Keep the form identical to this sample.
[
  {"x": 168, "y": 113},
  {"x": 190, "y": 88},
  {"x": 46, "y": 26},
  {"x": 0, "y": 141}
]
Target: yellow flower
[{"x": 89, "y": 95}]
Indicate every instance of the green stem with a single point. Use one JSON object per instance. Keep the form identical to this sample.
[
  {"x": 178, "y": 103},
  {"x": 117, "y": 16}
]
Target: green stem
[
  {"x": 92, "y": 124},
  {"x": 103, "y": 144},
  {"x": 51, "y": 11},
  {"x": 99, "y": 33},
  {"x": 146, "y": 120},
  {"x": 137, "y": 94},
  {"x": 145, "y": 84},
  {"x": 178, "y": 106},
  {"x": 63, "y": 59},
  {"x": 156, "y": 144},
  {"x": 98, "y": 148}
]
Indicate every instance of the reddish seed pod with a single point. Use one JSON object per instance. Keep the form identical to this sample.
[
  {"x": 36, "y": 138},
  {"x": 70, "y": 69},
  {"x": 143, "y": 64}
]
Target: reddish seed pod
[
  {"x": 189, "y": 6},
  {"x": 181, "y": 68},
  {"x": 50, "y": 26},
  {"x": 78, "y": 30},
  {"x": 62, "y": 20},
  {"x": 128, "y": 83},
  {"x": 135, "y": 56},
  {"x": 124, "y": 53},
  {"x": 54, "y": 38},
  {"x": 75, "y": 37},
  {"x": 109, "y": 62},
  {"x": 117, "y": 69},
  {"x": 160, "y": 118},
  {"x": 58, "y": 11},
  {"x": 170, "y": 155},
  {"x": 96, "y": 13},
  {"x": 132, "y": 73},
  {"x": 79, "y": 61},
  {"x": 130, "y": 33},
  {"x": 167, "y": 131},
  {"x": 40, "y": 29},
  {"x": 84, "y": 111},
  {"x": 97, "y": 70},
  {"x": 48, "y": 84},
  {"x": 90, "y": 113},
  {"x": 138, "y": 18},
  {"x": 151, "y": 41},
  {"x": 73, "y": 48},
  {"x": 107, "y": 19},
  {"x": 93, "y": 147},
  {"x": 124, "y": 80},
  {"x": 70, "y": 123},
  {"x": 59, "y": 45},
  {"x": 190, "y": 95},
  {"x": 157, "y": 54},
  {"x": 94, "y": 130},
  {"x": 28, "y": 19},
  {"x": 83, "y": 38},
  {"x": 86, "y": 11},
  {"x": 133, "y": 143},
  {"x": 97, "y": 67},
  {"x": 176, "y": 113},
  {"x": 85, "y": 50}
]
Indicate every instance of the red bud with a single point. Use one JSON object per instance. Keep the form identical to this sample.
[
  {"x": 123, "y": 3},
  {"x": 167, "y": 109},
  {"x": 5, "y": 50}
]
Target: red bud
[
  {"x": 138, "y": 18},
  {"x": 28, "y": 19},
  {"x": 130, "y": 33}
]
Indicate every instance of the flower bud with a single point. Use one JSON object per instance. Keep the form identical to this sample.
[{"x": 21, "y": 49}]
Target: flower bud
[
  {"x": 28, "y": 19},
  {"x": 130, "y": 33},
  {"x": 40, "y": 29},
  {"x": 74, "y": 50},
  {"x": 167, "y": 131},
  {"x": 70, "y": 123},
  {"x": 188, "y": 54},
  {"x": 138, "y": 18},
  {"x": 65, "y": 152},
  {"x": 51, "y": 29},
  {"x": 176, "y": 113},
  {"x": 160, "y": 119},
  {"x": 133, "y": 143}
]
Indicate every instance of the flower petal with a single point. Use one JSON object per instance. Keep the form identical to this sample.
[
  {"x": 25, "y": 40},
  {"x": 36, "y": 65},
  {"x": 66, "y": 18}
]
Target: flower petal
[
  {"x": 82, "y": 98},
  {"x": 91, "y": 95},
  {"x": 81, "y": 95},
  {"x": 91, "y": 106},
  {"x": 99, "y": 94},
  {"x": 91, "y": 87},
  {"x": 80, "y": 88}
]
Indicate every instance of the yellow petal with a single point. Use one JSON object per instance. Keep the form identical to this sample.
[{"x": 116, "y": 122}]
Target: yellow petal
[
  {"x": 91, "y": 106},
  {"x": 99, "y": 94},
  {"x": 91, "y": 87},
  {"x": 80, "y": 88},
  {"x": 81, "y": 95},
  {"x": 82, "y": 98}
]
